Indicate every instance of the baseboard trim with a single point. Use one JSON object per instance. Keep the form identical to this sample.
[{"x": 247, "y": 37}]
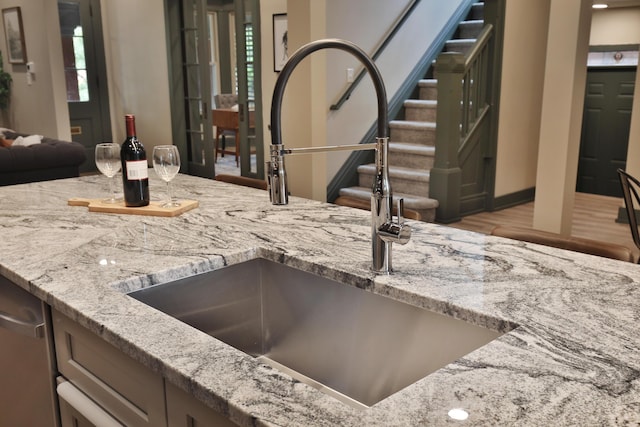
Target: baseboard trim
[{"x": 514, "y": 199}]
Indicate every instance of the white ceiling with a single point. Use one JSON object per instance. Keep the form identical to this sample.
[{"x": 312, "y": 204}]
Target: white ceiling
[{"x": 620, "y": 3}]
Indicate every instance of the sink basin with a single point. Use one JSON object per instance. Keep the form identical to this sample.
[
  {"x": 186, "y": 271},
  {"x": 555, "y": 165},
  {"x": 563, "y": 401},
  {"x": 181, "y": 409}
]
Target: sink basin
[{"x": 352, "y": 344}]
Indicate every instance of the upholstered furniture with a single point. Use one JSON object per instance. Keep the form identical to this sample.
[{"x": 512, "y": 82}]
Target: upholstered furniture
[
  {"x": 260, "y": 184},
  {"x": 51, "y": 159},
  {"x": 577, "y": 244}
]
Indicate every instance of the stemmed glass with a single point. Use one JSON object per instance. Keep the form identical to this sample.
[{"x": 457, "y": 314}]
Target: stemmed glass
[
  {"x": 108, "y": 162},
  {"x": 166, "y": 163}
]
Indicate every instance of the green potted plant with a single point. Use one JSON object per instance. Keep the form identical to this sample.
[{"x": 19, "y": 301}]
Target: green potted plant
[{"x": 5, "y": 86}]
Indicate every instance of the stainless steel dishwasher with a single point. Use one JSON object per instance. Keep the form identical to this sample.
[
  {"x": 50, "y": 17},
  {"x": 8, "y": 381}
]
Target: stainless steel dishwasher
[{"x": 27, "y": 393}]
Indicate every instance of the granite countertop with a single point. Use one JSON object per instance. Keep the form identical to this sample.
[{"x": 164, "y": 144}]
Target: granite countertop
[{"x": 571, "y": 354}]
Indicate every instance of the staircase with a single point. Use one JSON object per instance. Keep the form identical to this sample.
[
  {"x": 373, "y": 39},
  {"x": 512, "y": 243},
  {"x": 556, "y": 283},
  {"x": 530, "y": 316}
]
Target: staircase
[{"x": 412, "y": 139}]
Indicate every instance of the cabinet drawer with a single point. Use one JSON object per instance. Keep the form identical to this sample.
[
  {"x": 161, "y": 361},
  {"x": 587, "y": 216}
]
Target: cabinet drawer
[{"x": 127, "y": 390}]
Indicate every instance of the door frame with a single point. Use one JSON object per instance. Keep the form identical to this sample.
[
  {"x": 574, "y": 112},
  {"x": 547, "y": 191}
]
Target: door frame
[
  {"x": 177, "y": 94},
  {"x": 99, "y": 69}
]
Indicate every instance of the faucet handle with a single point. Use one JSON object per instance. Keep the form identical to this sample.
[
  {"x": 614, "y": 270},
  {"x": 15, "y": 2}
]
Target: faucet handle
[
  {"x": 396, "y": 232},
  {"x": 400, "y": 212}
]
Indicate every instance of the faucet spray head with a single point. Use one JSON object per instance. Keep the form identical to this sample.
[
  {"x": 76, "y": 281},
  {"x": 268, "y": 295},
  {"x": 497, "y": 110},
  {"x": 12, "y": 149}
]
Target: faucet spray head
[{"x": 277, "y": 176}]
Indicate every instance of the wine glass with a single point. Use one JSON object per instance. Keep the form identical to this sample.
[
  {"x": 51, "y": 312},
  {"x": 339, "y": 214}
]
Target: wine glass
[
  {"x": 166, "y": 163},
  {"x": 108, "y": 162}
]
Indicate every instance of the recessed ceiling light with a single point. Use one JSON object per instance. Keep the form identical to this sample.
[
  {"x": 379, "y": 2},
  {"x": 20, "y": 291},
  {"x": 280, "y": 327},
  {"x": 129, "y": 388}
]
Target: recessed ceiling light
[{"x": 600, "y": 6}]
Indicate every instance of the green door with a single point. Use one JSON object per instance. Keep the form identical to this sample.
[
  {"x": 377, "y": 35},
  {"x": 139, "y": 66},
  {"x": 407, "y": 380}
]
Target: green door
[
  {"x": 247, "y": 13},
  {"x": 85, "y": 74},
  {"x": 605, "y": 130}
]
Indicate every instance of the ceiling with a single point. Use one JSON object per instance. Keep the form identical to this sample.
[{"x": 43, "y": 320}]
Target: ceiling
[{"x": 620, "y": 3}]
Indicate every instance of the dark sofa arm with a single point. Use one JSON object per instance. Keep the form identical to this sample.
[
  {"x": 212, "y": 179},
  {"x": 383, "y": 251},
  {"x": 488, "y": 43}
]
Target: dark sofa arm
[{"x": 51, "y": 159}]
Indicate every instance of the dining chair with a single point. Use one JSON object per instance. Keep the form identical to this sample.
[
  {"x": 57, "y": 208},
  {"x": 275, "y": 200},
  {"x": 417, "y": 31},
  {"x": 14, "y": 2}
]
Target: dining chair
[
  {"x": 225, "y": 119},
  {"x": 571, "y": 243},
  {"x": 260, "y": 184},
  {"x": 630, "y": 186}
]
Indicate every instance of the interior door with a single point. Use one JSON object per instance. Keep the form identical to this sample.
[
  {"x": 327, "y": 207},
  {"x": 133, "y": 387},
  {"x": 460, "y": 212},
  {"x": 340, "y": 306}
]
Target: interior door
[
  {"x": 605, "y": 130},
  {"x": 247, "y": 15},
  {"x": 190, "y": 84},
  {"x": 85, "y": 73}
]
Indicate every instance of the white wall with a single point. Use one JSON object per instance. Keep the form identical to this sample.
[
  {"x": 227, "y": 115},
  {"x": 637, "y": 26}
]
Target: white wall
[
  {"x": 525, "y": 44},
  {"x": 137, "y": 69},
  {"x": 615, "y": 26},
  {"x": 39, "y": 108}
]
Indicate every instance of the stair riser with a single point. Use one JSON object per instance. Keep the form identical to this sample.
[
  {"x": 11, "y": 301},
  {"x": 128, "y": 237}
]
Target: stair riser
[
  {"x": 407, "y": 160},
  {"x": 420, "y": 114},
  {"x": 417, "y": 136},
  {"x": 429, "y": 93},
  {"x": 469, "y": 31},
  {"x": 458, "y": 47},
  {"x": 399, "y": 185},
  {"x": 477, "y": 12}
]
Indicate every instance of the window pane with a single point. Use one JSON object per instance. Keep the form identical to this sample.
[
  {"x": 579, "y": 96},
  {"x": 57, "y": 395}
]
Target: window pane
[{"x": 73, "y": 51}]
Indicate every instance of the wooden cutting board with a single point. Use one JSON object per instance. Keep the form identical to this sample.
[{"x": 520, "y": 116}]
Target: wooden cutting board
[{"x": 153, "y": 209}]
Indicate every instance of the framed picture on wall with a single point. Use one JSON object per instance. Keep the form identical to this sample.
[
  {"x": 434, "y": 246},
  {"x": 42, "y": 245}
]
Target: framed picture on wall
[
  {"x": 14, "y": 34},
  {"x": 280, "y": 41}
]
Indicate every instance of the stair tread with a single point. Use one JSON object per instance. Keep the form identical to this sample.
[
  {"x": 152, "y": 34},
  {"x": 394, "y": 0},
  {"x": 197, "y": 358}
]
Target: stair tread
[
  {"x": 420, "y": 103},
  {"x": 412, "y": 148},
  {"x": 461, "y": 41},
  {"x": 411, "y": 124},
  {"x": 398, "y": 172},
  {"x": 410, "y": 201},
  {"x": 428, "y": 82}
]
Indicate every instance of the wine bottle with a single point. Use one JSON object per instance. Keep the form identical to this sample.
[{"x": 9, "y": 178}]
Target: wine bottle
[{"x": 135, "y": 174}]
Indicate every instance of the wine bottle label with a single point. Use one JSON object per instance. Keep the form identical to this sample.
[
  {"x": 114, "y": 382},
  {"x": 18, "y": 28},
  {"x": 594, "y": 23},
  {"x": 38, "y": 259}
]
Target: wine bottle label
[{"x": 137, "y": 170}]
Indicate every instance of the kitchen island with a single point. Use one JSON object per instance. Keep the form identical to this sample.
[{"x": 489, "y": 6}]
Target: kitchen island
[{"x": 570, "y": 353}]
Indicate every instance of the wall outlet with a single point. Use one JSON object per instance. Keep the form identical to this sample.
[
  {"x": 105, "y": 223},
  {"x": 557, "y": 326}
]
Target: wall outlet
[{"x": 350, "y": 76}]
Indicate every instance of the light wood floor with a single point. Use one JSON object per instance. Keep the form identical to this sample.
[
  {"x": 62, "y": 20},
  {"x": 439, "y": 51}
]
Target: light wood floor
[{"x": 593, "y": 218}]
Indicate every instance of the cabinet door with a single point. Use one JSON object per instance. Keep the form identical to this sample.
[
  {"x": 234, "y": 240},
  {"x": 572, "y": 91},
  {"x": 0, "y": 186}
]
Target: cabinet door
[
  {"x": 124, "y": 388},
  {"x": 183, "y": 410}
]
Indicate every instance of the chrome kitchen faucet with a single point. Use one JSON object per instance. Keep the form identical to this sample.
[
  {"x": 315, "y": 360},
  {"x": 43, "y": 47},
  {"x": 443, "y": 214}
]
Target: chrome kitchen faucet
[{"x": 384, "y": 231}]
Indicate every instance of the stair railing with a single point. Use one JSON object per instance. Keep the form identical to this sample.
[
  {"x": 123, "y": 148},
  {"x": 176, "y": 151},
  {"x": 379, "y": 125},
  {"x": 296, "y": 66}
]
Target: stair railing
[
  {"x": 464, "y": 88},
  {"x": 404, "y": 15}
]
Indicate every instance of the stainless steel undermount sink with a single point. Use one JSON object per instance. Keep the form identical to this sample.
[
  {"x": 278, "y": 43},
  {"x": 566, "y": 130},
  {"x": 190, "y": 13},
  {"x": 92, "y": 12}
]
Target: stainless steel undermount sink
[{"x": 352, "y": 344}]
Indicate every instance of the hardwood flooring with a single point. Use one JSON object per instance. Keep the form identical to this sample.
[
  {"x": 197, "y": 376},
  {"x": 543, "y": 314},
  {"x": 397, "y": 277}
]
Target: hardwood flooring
[{"x": 593, "y": 218}]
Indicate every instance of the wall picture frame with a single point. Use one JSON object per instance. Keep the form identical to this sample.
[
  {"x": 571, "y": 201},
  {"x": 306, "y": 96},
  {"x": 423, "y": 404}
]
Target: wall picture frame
[
  {"x": 14, "y": 34},
  {"x": 280, "y": 41}
]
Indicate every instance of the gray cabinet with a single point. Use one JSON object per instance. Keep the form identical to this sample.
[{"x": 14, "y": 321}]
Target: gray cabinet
[
  {"x": 103, "y": 386},
  {"x": 125, "y": 389},
  {"x": 185, "y": 411}
]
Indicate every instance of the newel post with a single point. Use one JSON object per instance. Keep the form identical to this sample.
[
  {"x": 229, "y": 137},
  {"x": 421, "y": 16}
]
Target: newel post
[{"x": 446, "y": 175}]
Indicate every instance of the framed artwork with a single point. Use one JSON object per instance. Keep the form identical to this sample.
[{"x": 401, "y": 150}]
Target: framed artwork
[
  {"x": 14, "y": 34},
  {"x": 280, "y": 54}
]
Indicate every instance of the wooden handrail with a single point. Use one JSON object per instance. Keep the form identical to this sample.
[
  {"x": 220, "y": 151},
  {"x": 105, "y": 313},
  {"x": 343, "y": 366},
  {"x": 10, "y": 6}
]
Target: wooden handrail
[
  {"x": 386, "y": 40},
  {"x": 481, "y": 41}
]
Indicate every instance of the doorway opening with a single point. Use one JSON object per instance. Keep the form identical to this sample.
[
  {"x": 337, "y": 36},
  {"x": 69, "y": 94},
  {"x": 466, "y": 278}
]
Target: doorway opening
[
  {"x": 85, "y": 75},
  {"x": 215, "y": 58},
  {"x": 606, "y": 121}
]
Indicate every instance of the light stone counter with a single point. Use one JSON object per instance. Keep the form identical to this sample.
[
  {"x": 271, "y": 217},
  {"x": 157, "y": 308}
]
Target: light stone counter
[{"x": 572, "y": 356}]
